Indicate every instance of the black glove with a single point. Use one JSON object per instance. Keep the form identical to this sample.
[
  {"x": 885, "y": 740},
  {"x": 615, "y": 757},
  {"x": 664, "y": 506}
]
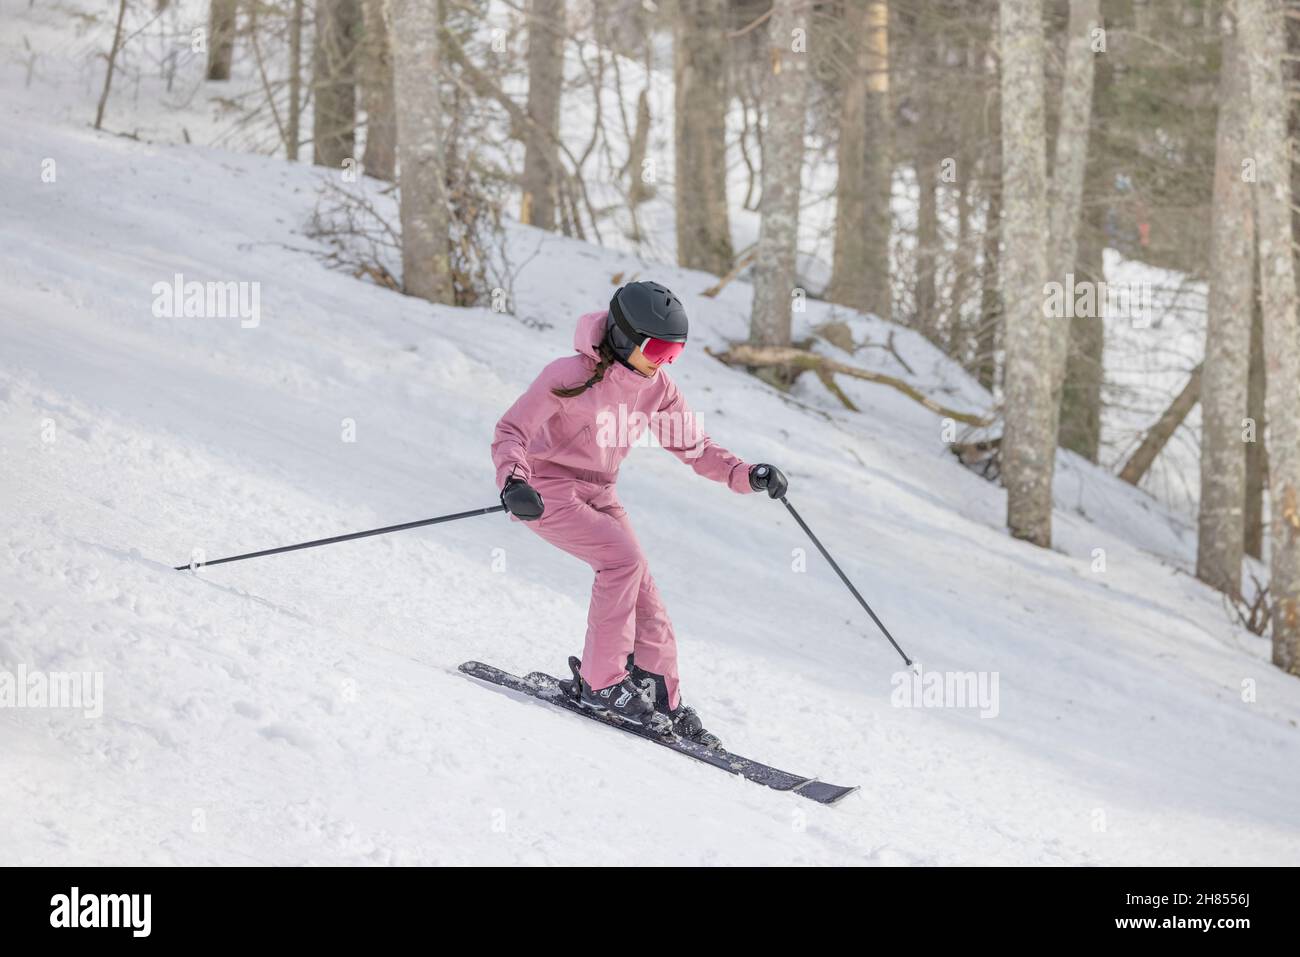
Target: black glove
[
  {"x": 768, "y": 478},
  {"x": 522, "y": 500}
]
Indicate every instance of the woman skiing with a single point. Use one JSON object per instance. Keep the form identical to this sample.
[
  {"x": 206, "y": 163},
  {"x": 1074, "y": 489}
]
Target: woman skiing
[{"x": 557, "y": 451}]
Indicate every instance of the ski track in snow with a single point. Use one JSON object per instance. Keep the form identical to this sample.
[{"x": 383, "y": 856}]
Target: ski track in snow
[{"x": 306, "y": 709}]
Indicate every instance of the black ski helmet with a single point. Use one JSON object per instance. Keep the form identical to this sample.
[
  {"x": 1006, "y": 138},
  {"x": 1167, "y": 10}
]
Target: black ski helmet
[{"x": 642, "y": 309}]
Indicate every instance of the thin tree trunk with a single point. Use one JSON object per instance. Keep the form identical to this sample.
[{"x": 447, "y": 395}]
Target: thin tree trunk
[
  {"x": 638, "y": 190},
  {"x": 927, "y": 245},
  {"x": 380, "y": 157},
  {"x": 1256, "y": 449},
  {"x": 1081, "y": 394},
  {"x": 426, "y": 230},
  {"x": 1080, "y": 427},
  {"x": 860, "y": 270},
  {"x": 112, "y": 65},
  {"x": 334, "y": 77},
  {"x": 1221, "y": 524},
  {"x": 785, "y": 98},
  {"x": 221, "y": 38},
  {"x": 540, "y": 182},
  {"x": 1069, "y": 168},
  {"x": 293, "y": 131},
  {"x": 700, "y": 125},
  {"x": 1262, "y": 32},
  {"x": 990, "y": 317},
  {"x": 1158, "y": 435},
  {"x": 1029, "y": 434}
]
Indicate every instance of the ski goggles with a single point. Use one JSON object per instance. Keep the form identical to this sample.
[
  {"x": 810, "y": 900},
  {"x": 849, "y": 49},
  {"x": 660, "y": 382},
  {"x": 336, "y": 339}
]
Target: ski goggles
[{"x": 660, "y": 351}]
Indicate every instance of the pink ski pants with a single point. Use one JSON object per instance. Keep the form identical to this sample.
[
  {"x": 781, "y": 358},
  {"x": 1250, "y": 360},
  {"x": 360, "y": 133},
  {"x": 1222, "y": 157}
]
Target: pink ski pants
[{"x": 627, "y": 616}]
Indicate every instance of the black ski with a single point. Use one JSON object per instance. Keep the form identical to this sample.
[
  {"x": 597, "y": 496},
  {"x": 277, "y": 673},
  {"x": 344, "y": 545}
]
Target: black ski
[{"x": 547, "y": 688}]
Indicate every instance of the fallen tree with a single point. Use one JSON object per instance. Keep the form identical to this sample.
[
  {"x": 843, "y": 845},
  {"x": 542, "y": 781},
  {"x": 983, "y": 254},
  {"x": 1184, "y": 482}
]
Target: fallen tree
[{"x": 792, "y": 361}]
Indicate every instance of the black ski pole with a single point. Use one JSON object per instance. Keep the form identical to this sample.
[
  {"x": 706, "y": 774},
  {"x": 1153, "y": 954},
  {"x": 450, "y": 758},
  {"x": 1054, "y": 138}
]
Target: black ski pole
[
  {"x": 347, "y": 538},
  {"x": 844, "y": 578}
]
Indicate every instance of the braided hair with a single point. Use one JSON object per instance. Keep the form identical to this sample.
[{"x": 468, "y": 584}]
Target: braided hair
[{"x": 607, "y": 358}]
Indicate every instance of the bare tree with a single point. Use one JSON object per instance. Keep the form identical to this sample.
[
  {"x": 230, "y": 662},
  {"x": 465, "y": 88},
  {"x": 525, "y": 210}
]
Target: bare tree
[
  {"x": 293, "y": 129},
  {"x": 334, "y": 78},
  {"x": 541, "y": 178},
  {"x": 1158, "y": 436},
  {"x": 700, "y": 122},
  {"x": 1262, "y": 32},
  {"x": 380, "y": 157},
  {"x": 1069, "y": 167},
  {"x": 221, "y": 38},
  {"x": 785, "y": 94},
  {"x": 860, "y": 271},
  {"x": 1221, "y": 527},
  {"x": 1256, "y": 450},
  {"x": 426, "y": 228},
  {"x": 1029, "y": 434},
  {"x": 114, "y": 50}
]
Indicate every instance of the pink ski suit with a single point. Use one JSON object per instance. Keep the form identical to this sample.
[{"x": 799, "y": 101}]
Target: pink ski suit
[{"x": 569, "y": 450}]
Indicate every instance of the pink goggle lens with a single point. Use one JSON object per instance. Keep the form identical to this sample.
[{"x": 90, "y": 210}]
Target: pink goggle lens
[{"x": 660, "y": 351}]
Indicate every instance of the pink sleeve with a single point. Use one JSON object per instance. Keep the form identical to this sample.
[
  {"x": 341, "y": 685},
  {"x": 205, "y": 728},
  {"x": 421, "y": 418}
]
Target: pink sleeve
[
  {"x": 681, "y": 435},
  {"x": 522, "y": 420}
]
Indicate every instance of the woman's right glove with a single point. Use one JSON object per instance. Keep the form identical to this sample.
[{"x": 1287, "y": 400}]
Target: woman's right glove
[
  {"x": 522, "y": 500},
  {"x": 768, "y": 478}
]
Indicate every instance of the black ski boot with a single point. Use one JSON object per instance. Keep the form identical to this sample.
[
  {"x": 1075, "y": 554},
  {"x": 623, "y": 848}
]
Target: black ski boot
[
  {"x": 628, "y": 700},
  {"x": 686, "y": 722}
]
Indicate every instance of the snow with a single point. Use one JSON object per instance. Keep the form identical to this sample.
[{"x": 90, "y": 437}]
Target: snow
[{"x": 306, "y": 708}]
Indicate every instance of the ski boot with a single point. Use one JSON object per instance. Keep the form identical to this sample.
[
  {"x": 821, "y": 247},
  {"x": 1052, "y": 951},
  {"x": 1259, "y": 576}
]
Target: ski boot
[
  {"x": 686, "y": 722},
  {"x": 627, "y": 701}
]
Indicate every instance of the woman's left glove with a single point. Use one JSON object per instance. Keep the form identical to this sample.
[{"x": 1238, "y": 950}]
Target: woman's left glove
[{"x": 768, "y": 478}]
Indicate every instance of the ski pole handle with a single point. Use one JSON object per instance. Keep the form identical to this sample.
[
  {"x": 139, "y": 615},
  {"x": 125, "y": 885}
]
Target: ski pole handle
[
  {"x": 844, "y": 578},
  {"x": 346, "y": 538}
]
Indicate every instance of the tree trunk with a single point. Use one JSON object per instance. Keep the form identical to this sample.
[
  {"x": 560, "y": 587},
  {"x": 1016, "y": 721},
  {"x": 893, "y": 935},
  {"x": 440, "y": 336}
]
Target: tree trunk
[
  {"x": 1221, "y": 523},
  {"x": 118, "y": 40},
  {"x": 1068, "y": 169},
  {"x": 1081, "y": 393},
  {"x": 380, "y": 158},
  {"x": 638, "y": 190},
  {"x": 334, "y": 77},
  {"x": 1256, "y": 449},
  {"x": 540, "y": 182},
  {"x": 991, "y": 295},
  {"x": 860, "y": 270},
  {"x": 785, "y": 98},
  {"x": 293, "y": 131},
  {"x": 221, "y": 38},
  {"x": 1029, "y": 434},
  {"x": 1080, "y": 426},
  {"x": 926, "y": 294},
  {"x": 1262, "y": 32},
  {"x": 426, "y": 268},
  {"x": 1158, "y": 435},
  {"x": 699, "y": 117}
]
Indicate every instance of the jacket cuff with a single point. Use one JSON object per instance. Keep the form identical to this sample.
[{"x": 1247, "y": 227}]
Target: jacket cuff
[{"x": 739, "y": 479}]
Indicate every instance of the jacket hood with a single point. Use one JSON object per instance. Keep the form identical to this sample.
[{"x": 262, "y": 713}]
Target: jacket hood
[{"x": 590, "y": 330}]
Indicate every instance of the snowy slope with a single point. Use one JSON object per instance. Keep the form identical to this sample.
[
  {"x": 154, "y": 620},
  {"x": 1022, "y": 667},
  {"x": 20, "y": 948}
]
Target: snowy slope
[{"x": 306, "y": 708}]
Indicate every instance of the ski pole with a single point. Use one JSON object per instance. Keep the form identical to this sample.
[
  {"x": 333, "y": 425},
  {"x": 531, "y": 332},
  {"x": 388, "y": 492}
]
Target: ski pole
[
  {"x": 844, "y": 578},
  {"x": 349, "y": 537}
]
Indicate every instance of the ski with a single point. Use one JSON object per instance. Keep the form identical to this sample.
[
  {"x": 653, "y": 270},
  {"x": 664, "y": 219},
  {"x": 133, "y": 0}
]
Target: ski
[{"x": 546, "y": 688}]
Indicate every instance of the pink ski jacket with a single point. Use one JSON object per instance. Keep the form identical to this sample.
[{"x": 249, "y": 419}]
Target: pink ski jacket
[{"x": 589, "y": 435}]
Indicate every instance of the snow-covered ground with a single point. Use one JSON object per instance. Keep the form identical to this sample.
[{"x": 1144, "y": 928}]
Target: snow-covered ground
[{"x": 306, "y": 708}]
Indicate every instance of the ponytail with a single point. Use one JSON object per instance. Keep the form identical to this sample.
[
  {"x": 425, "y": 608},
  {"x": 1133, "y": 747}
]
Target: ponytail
[{"x": 607, "y": 358}]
